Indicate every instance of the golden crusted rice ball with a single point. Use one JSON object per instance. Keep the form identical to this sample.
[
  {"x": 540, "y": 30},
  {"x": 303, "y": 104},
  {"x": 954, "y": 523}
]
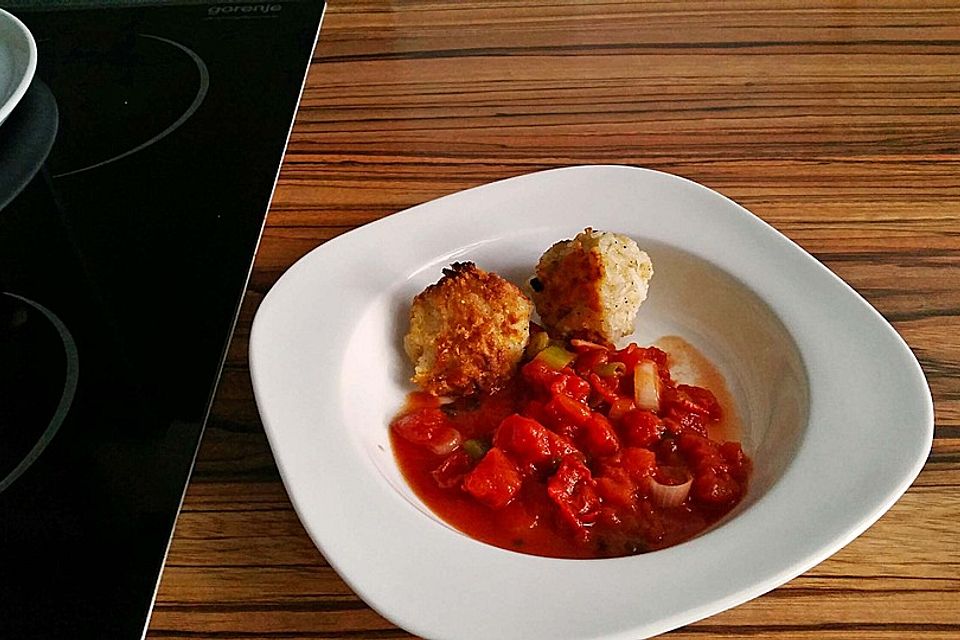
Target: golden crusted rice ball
[
  {"x": 591, "y": 287},
  {"x": 467, "y": 332}
]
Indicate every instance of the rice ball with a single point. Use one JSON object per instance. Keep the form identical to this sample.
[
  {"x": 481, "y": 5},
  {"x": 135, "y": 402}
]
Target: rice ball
[
  {"x": 591, "y": 287},
  {"x": 467, "y": 332}
]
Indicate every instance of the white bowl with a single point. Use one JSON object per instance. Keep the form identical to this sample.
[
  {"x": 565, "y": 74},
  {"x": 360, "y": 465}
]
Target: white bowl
[
  {"x": 18, "y": 62},
  {"x": 837, "y": 414}
]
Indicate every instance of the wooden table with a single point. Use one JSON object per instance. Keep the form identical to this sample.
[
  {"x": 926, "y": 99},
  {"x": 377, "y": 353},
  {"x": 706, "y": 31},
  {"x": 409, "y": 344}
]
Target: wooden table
[{"x": 838, "y": 123}]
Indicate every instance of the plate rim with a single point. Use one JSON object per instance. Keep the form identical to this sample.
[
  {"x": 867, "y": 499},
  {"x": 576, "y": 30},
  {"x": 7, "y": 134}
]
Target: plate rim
[
  {"x": 17, "y": 27},
  {"x": 400, "y": 615}
]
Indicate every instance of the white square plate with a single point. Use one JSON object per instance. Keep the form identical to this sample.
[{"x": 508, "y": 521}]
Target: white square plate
[{"x": 837, "y": 414}]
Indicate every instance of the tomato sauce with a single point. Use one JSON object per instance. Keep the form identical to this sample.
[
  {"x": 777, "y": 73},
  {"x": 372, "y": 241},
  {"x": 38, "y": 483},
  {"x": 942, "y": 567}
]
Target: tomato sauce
[{"x": 589, "y": 452}]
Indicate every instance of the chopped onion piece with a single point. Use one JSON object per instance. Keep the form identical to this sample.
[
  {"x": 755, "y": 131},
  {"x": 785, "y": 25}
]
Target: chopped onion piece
[
  {"x": 444, "y": 441},
  {"x": 577, "y": 343},
  {"x": 646, "y": 386},
  {"x": 668, "y": 495}
]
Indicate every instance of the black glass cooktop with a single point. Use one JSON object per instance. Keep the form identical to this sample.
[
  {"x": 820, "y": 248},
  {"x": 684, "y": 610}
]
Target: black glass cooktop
[{"x": 134, "y": 180}]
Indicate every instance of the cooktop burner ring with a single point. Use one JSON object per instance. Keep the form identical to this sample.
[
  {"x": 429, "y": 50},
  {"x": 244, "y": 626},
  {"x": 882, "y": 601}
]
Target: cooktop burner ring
[
  {"x": 71, "y": 378},
  {"x": 26, "y": 139},
  {"x": 176, "y": 124}
]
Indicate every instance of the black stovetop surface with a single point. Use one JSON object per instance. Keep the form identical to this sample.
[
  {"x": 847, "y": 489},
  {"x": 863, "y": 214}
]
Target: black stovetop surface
[{"x": 122, "y": 265}]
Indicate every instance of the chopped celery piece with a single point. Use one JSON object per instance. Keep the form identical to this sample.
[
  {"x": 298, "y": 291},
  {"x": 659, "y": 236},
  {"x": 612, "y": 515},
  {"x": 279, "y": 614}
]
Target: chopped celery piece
[
  {"x": 610, "y": 369},
  {"x": 476, "y": 449},
  {"x": 556, "y": 357},
  {"x": 538, "y": 342}
]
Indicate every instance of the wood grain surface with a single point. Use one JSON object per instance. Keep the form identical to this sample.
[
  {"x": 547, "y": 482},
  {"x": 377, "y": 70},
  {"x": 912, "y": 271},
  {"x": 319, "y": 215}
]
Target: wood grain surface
[{"x": 837, "y": 123}]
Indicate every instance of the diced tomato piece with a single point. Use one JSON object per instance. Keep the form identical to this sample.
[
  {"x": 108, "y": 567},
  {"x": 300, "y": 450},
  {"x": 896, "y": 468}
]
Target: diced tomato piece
[
  {"x": 609, "y": 516},
  {"x": 599, "y": 438},
  {"x": 620, "y": 407},
  {"x": 701, "y": 453},
  {"x": 681, "y": 422},
  {"x": 567, "y": 411},
  {"x": 494, "y": 481},
  {"x": 687, "y": 398},
  {"x": 428, "y": 428},
  {"x": 571, "y": 386},
  {"x": 616, "y": 487},
  {"x": 693, "y": 422},
  {"x": 715, "y": 487},
  {"x": 639, "y": 463},
  {"x": 452, "y": 470},
  {"x": 606, "y": 466},
  {"x": 573, "y": 490},
  {"x": 568, "y": 431},
  {"x": 632, "y": 354},
  {"x": 606, "y": 390},
  {"x": 712, "y": 483},
  {"x": 641, "y": 428},
  {"x": 732, "y": 452},
  {"x": 535, "y": 411},
  {"x": 561, "y": 440},
  {"x": 526, "y": 439},
  {"x": 561, "y": 447},
  {"x": 689, "y": 442},
  {"x": 589, "y": 359},
  {"x": 539, "y": 375},
  {"x": 734, "y": 456},
  {"x": 671, "y": 475}
]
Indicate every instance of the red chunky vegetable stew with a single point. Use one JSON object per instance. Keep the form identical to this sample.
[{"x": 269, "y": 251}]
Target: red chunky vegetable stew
[{"x": 590, "y": 452}]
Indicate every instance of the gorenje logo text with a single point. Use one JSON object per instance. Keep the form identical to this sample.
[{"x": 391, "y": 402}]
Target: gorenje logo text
[{"x": 243, "y": 9}]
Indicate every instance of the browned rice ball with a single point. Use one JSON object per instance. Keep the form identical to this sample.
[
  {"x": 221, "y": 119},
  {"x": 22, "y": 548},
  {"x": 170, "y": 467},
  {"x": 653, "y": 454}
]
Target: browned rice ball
[
  {"x": 591, "y": 287},
  {"x": 467, "y": 332}
]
